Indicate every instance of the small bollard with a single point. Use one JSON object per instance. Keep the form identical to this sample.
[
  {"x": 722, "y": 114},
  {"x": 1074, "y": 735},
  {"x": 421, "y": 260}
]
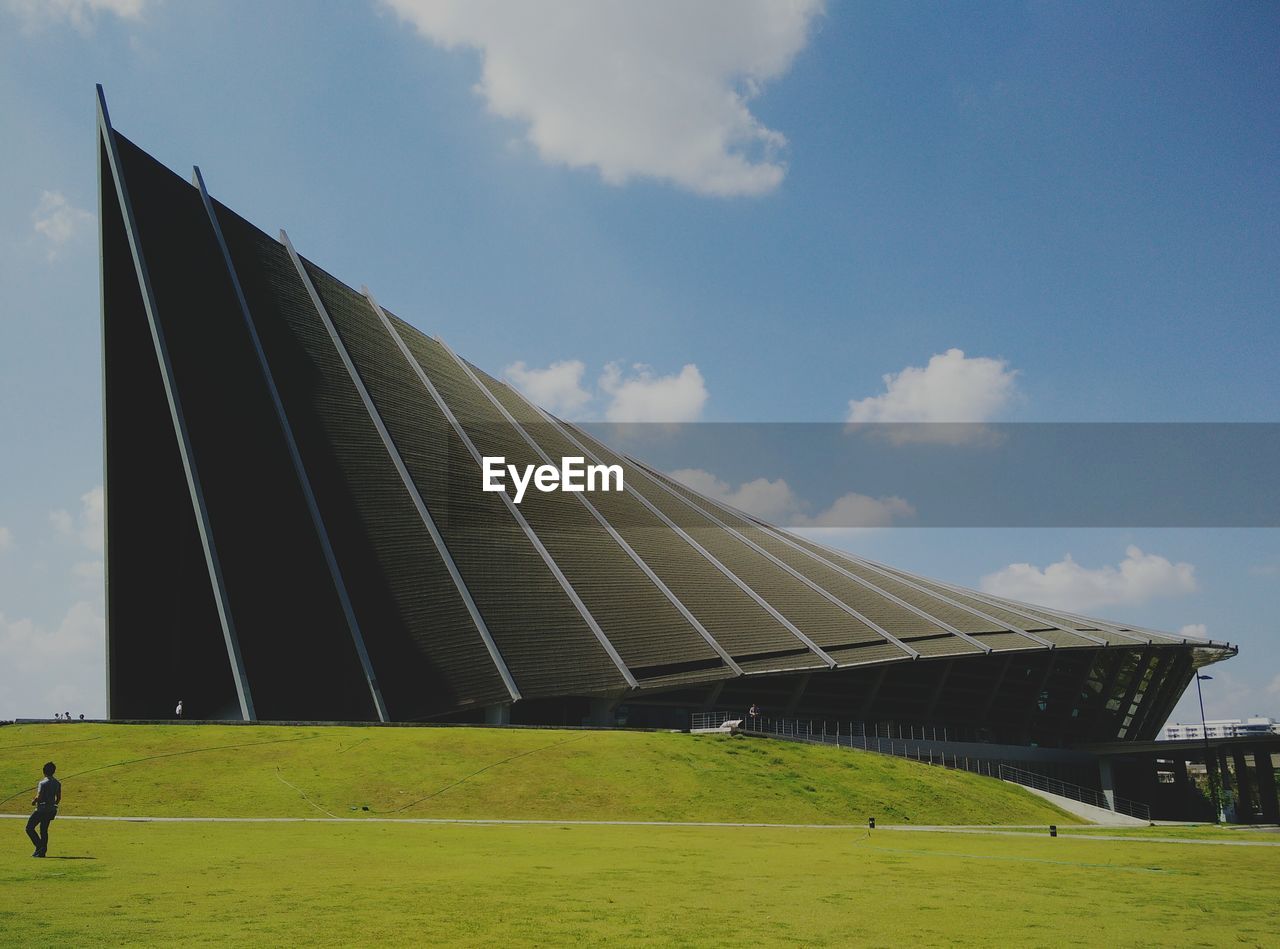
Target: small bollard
[
  {"x": 871, "y": 823},
  {"x": 1053, "y": 830}
]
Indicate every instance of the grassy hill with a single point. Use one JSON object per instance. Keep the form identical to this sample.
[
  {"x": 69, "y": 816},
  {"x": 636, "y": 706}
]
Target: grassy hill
[
  {"x": 402, "y": 883},
  {"x": 286, "y": 771}
]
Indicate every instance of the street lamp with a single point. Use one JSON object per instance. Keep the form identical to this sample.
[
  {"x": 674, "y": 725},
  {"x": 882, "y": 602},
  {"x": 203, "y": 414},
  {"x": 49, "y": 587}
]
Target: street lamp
[{"x": 1204, "y": 731}]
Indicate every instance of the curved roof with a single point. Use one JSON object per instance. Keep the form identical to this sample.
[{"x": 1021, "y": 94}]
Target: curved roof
[{"x": 321, "y": 460}]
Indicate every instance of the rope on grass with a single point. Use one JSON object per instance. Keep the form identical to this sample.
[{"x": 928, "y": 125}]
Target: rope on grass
[
  {"x": 523, "y": 754},
  {"x": 993, "y": 856},
  {"x": 42, "y": 744},
  {"x": 303, "y": 794},
  {"x": 167, "y": 754}
]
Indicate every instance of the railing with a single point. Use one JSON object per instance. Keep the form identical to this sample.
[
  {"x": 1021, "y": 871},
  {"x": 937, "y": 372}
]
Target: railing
[
  {"x": 830, "y": 730},
  {"x": 1074, "y": 791},
  {"x": 917, "y": 743},
  {"x": 865, "y": 736},
  {"x": 702, "y": 721}
]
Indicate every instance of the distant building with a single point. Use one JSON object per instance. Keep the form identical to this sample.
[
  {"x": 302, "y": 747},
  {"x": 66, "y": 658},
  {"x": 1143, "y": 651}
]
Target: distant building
[{"x": 1221, "y": 728}]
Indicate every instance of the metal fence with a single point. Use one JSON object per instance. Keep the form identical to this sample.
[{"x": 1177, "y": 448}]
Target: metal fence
[
  {"x": 840, "y": 732},
  {"x": 868, "y": 736},
  {"x": 904, "y": 741},
  {"x": 703, "y": 721}
]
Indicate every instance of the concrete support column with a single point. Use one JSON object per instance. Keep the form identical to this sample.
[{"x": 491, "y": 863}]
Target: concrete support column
[
  {"x": 1212, "y": 776},
  {"x": 1228, "y": 796},
  {"x": 1108, "y": 782},
  {"x": 1244, "y": 800},
  {"x": 1267, "y": 796},
  {"x": 499, "y": 714},
  {"x": 1182, "y": 781},
  {"x": 1224, "y": 769}
]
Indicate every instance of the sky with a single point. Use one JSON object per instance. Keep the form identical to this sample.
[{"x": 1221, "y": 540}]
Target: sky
[{"x": 729, "y": 211}]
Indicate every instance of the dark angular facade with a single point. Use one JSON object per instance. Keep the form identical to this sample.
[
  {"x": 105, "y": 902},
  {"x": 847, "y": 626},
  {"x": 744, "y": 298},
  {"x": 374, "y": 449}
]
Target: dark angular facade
[{"x": 296, "y": 530}]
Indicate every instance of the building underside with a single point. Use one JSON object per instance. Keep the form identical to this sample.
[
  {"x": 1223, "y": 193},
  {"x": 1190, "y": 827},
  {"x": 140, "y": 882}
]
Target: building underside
[{"x": 296, "y": 531}]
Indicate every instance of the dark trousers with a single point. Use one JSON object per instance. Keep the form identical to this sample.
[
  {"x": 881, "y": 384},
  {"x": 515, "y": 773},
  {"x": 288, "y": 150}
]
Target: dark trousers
[{"x": 39, "y": 819}]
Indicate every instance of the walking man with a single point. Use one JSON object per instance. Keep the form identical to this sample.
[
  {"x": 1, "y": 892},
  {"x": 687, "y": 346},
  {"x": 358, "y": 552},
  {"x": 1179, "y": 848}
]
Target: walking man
[{"x": 48, "y": 797}]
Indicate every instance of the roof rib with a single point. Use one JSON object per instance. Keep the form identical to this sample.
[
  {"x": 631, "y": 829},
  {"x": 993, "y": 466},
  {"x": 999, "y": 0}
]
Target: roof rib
[
  {"x": 783, "y": 536},
  {"x": 510, "y": 505},
  {"x": 946, "y": 599},
  {"x": 736, "y": 580},
  {"x": 216, "y": 578},
  {"x": 630, "y": 551},
  {"x": 537, "y": 542},
  {"x": 991, "y": 601},
  {"x": 291, "y": 443},
  {"x": 397, "y": 461},
  {"x": 821, "y": 591}
]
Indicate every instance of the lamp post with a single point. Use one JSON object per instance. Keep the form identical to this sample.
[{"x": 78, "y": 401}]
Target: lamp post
[{"x": 1204, "y": 732}]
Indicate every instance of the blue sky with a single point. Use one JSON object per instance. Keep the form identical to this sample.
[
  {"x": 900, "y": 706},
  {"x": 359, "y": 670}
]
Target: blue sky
[{"x": 755, "y": 211}]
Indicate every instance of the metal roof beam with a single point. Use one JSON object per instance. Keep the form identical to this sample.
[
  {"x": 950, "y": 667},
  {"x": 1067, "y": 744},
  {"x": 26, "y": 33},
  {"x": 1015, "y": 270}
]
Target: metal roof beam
[
  {"x": 424, "y": 513},
  {"x": 782, "y": 536},
  {"x": 554, "y": 567},
  {"x": 203, "y": 524},
  {"x": 600, "y": 518},
  {"x": 826, "y": 594},
  {"x": 295, "y": 456},
  {"x": 733, "y": 577}
]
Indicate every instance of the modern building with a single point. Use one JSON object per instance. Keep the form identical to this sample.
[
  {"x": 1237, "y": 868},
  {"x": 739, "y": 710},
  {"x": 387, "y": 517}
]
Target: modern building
[
  {"x": 1221, "y": 728},
  {"x": 296, "y": 530}
]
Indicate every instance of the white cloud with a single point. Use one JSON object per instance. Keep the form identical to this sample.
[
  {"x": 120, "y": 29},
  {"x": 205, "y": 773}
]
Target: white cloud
[
  {"x": 658, "y": 89},
  {"x": 88, "y": 574},
  {"x": 773, "y": 501},
  {"x": 953, "y": 387},
  {"x": 81, "y": 14},
  {"x": 1228, "y": 696},
  {"x": 54, "y": 669},
  {"x": 776, "y": 502},
  {"x": 87, "y": 527},
  {"x": 860, "y": 510},
  {"x": 6, "y": 539},
  {"x": 557, "y": 388},
  {"x": 58, "y": 221},
  {"x": 640, "y": 396},
  {"x": 644, "y": 397},
  {"x": 59, "y": 666},
  {"x": 1067, "y": 585},
  {"x": 1195, "y": 631},
  {"x": 62, "y": 521},
  {"x": 1273, "y": 687}
]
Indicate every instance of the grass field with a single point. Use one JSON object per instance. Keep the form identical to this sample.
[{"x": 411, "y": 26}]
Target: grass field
[
  {"x": 386, "y": 882},
  {"x": 491, "y": 885},
  {"x": 1225, "y": 832},
  {"x": 265, "y": 771}
]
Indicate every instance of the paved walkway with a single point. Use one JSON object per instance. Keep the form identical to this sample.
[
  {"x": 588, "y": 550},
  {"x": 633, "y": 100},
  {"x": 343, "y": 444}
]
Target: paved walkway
[
  {"x": 1005, "y": 830},
  {"x": 1088, "y": 812}
]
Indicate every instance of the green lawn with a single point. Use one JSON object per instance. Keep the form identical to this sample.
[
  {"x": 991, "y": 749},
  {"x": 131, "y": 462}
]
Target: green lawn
[
  {"x": 501, "y": 885},
  {"x": 1227, "y": 832},
  {"x": 279, "y": 771},
  {"x": 401, "y": 883}
]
